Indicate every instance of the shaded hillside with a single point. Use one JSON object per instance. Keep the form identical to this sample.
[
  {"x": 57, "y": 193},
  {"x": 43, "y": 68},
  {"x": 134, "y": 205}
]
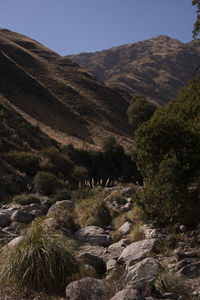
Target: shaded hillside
[
  {"x": 157, "y": 68},
  {"x": 65, "y": 101}
]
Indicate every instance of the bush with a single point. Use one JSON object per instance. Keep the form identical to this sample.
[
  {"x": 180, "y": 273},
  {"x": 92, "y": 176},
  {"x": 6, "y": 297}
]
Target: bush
[
  {"x": 43, "y": 261},
  {"x": 25, "y": 199},
  {"x": 25, "y": 162},
  {"x": 47, "y": 183},
  {"x": 63, "y": 194}
]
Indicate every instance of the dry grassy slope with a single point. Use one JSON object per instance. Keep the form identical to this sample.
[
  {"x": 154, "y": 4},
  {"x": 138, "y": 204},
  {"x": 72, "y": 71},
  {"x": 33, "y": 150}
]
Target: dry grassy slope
[
  {"x": 63, "y": 99},
  {"x": 157, "y": 68}
]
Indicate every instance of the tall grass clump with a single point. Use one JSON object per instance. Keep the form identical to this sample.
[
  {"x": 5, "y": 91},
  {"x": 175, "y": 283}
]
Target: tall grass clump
[
  {"x": 170, "y": 283},
  {"x": 44, "y": 261}
]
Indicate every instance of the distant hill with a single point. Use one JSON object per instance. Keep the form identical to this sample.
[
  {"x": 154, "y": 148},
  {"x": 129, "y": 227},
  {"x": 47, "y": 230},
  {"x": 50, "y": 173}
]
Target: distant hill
[
  {"x": 54, "y": 93},
  {"x": 156, "y": 68}
]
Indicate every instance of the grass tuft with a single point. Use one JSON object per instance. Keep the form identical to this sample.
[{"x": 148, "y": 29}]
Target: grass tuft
[
  {"x": 169, "y": 283},
  {"x": 41, "y": 262}
]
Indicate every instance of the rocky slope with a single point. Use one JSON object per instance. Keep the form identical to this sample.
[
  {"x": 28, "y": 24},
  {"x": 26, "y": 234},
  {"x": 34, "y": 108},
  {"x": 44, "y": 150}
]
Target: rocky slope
[
  {"x": 156, "y": 68},
  {"x": 65, "y": 101},
  {"x": 156, "y": 264}
]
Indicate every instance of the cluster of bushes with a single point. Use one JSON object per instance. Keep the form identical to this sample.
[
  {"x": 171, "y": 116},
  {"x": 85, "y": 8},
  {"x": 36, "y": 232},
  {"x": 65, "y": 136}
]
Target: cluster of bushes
[{"x": 60, "y": 167}]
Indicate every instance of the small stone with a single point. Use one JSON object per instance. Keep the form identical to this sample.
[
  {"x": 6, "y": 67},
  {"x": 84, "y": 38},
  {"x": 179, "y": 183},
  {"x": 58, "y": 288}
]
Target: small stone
[
  {"x": 182, "y": 228},
  {"x": 111, "y": 264},
  {"x": 126, "y": 227}
]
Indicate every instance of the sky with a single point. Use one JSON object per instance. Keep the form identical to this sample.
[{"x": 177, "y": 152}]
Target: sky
[{"x": 74, "y": 26}]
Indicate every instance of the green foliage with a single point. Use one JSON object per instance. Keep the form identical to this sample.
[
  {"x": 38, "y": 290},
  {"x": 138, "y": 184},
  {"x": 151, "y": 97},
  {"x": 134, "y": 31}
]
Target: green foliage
[
  {"x": 166, "y": 149},
  {"x": 23, "y": 161},
  {"x": 196, "y": 29},
  {"x": 43, "y": 261},
  {"x": 25, "y": 199},
  {"x": 111, "y": 147},
  {"x": 47, "y": 183},
  {"x": 57, "y": 162},
  {"x": 63, "y": 194},
  {"x": 140, "y": 111},
  {"x": 80, "y": 173}
]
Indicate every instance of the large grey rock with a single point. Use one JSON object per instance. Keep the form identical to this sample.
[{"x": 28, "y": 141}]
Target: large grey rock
[
  {"x": 116, "y": 249},
  {"x": 87, "y": 289},
  {"x": 143, "y": 274},
  {"x": 21, "y": 217},
  {"x": 190, "y": 270},
  {"x": 128, "y": 294},
  {"x": 136, "y": 251},
  {"x": 35, "y": 208},
  {"x": 61, "y": 205},
  {"x": 126, "y": 227},
  {"x": 4, "y": 220},
  {"x": 93, "y": 235}
]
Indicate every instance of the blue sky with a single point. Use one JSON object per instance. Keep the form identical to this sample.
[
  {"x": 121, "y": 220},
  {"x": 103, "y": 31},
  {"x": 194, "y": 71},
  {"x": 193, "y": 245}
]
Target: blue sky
[{"x": 74, "y": 26}]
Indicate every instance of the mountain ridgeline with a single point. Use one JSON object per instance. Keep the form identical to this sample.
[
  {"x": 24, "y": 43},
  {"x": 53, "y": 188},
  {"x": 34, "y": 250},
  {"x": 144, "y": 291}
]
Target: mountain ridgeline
[{"x": 156, "y": 68}]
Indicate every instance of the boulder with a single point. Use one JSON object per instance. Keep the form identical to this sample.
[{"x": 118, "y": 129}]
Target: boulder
[
  {"x": 4, "y": 220},
  {"x": 21, "y": 216},
  {"x": 61, "y": 205},
  {"x": 128, "y": 294},
  {"x": 116, "y": 249},
  {"x": 143, "y": 274},
  {"x": 35, "y": 209},
  {"x": 136, "y": 251},
  {"x": 86, "y": 288},
  {"x": 93, "y": 235},
  {"x": 126, "y": 227}
]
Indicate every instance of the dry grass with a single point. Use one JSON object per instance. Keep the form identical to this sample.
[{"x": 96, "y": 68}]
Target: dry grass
[
  {"x": 136, "y": 234},
  {"x": 92, "y": 211},
  {"x": 170, "y": 283}
]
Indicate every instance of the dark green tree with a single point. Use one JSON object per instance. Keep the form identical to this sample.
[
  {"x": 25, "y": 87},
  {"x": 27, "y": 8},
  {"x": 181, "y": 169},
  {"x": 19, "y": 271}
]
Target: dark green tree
[
  {"x": 167, "y": 152},
  {"x": 140, "y": 111}
]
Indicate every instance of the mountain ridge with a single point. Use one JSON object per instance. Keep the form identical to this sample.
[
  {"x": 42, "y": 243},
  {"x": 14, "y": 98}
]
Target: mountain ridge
[
  {"x": 57, "y": 93},
  {"x": 156, "y": 67}
]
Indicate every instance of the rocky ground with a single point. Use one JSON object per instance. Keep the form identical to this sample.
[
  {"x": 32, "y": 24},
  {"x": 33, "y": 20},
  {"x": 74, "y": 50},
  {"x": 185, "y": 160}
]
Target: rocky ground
[{"x": 157, "y": 264}]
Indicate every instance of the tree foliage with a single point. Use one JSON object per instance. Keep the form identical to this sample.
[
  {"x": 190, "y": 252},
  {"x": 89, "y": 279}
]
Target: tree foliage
[
  {"x": 196, "y": 29},
  {"x": 140, "y": 111},
  {"x": 166, "y": 149}
]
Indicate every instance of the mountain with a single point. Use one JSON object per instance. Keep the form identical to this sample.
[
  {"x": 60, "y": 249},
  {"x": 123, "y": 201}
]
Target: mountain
[
  {"x": 57, "y": 95},
  {"x": 156, "y": 68}
]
